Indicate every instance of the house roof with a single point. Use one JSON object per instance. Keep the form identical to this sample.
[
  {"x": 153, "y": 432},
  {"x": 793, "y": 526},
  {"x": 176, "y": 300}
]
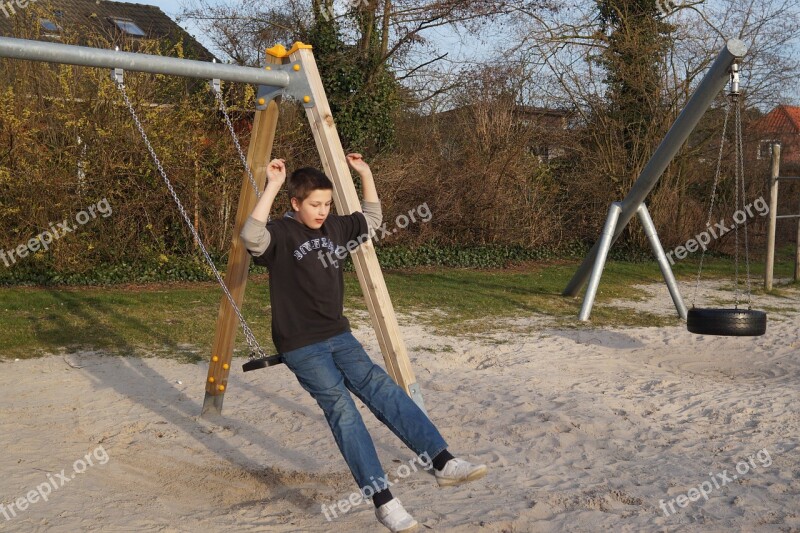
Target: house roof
[
  {"x": 782, "y": 119},
  {"x": 84, "y": 16}
]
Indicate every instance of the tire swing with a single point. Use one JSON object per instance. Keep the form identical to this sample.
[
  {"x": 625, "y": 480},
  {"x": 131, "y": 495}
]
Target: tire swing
[{"x": 734, "y": 322}]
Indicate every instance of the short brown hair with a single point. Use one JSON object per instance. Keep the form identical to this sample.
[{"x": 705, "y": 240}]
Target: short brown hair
[{"x": 306, "y": 180}]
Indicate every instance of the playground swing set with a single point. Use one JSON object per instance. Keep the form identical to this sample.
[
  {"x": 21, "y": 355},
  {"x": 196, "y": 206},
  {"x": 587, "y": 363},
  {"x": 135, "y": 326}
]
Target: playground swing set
[{"x": 294, "y": 74}]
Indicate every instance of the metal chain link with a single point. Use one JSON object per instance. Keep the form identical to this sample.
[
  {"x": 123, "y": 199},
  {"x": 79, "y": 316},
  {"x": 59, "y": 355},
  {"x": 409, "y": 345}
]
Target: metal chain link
[
  {"x": 223, "y": 108},
  {"x": 255, "y": 347},
  {"x": 713, "y": 195},
  {"x": 737, "y": 126}
]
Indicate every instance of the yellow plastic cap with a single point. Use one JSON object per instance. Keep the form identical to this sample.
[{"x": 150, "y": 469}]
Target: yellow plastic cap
[{"x": 279, "y": 51}]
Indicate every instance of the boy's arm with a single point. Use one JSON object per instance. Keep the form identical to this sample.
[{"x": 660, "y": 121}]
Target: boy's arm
[
  {"x": 254, "y": 232},
  {"x": 370, "y": 204}
]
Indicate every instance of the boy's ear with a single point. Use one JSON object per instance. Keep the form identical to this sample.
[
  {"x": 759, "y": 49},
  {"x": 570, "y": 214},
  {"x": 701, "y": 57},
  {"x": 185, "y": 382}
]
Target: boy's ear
[{"x": 295, "y": 204}]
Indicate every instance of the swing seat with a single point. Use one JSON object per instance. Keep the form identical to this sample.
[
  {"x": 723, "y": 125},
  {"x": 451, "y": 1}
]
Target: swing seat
[
  {"x": 727, "y": 322},
  {"x": 262, "y": 362}
]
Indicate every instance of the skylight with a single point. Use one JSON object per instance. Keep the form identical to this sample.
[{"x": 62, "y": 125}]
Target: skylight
[
  {"x": 129, "y": 27},
  {"x": 49, "y": 26}
]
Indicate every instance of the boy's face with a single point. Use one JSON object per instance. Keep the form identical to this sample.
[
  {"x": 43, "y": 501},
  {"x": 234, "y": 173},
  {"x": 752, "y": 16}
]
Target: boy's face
[{"x": 315, "y": 209}]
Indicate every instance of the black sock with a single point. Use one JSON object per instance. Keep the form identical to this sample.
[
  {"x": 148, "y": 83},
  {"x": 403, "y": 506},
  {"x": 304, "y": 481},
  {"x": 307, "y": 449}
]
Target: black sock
[
  {"x": 379, "y": 498},
  {"x": 441, "y": 459}
]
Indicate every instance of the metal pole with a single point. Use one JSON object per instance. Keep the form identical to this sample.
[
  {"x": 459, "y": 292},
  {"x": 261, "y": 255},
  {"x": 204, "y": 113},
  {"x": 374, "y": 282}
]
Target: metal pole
[
  {"x": 600, "y": 261},
  {"x": 713, "y": 82},
  {"x": 663, "y": 262},
  {"x": 775, "y": 170},
  {"x": 95, "y": 57}
]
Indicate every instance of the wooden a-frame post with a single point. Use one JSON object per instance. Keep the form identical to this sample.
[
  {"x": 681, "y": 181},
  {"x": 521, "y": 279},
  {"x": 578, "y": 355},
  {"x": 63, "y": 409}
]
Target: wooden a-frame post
[
  {"x": 258, "y": 157},
  {"x": 370, "y": 277}
]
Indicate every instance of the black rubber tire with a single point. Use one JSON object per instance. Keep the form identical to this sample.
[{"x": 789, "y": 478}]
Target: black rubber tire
[
  {"x": 255, "y": 364},
  {"x": 729, "y": 322}
]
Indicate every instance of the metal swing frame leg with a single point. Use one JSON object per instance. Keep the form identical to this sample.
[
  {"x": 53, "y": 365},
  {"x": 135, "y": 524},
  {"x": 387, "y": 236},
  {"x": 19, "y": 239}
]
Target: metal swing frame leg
[
  {"x": 661, "y": 257},
  {"x": 606, "y": 239},
  {"x": 604, "y": 245}
]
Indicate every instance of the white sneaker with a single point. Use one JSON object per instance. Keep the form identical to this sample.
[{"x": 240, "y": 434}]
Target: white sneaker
[
  {"x": 457, "y": 471},
  {"x": 392, "y": 515}
]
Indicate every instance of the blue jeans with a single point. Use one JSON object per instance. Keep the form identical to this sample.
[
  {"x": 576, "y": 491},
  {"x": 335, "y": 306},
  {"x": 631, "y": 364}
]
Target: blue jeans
[{"x": 327, "y": 370}]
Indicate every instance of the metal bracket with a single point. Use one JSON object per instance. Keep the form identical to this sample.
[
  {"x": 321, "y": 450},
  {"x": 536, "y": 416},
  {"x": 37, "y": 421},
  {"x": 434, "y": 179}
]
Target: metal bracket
[
  {"x": 118, "y": 75},
  {"x": 734, "y": 80},
  {"x": 216, "y": 83},
  {"x": 298, "y": 88},
  {"x": 416, "y": 395}
]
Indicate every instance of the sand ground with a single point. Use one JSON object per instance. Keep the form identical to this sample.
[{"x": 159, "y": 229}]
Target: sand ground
[{"x": 583, "y": 429}]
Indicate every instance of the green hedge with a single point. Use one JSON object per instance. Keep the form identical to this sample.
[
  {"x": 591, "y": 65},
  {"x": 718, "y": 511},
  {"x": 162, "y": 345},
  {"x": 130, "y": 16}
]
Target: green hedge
[{"x": 194, "y": 268}]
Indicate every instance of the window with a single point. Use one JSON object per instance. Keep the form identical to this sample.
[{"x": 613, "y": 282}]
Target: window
[
  {"x": 129, "y": 27},
  {"x": 49, "y": 26}
]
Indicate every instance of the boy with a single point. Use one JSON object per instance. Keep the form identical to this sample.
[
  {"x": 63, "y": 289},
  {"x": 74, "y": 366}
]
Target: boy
[{"x": 310, "y": 330}]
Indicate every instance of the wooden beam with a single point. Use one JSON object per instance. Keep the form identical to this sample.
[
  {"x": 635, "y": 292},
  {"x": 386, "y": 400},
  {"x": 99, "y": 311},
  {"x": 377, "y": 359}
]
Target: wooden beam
[
  {"x": 381, "y": 311},
  {"x": 258, "y": 157},
  {"x": 775, "y": 170}
]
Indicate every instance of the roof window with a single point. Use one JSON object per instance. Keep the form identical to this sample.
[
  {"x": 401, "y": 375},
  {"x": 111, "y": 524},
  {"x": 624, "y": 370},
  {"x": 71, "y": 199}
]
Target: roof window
[
  {"x": 128, "y": 26},
  {"x": 49, "y": 26}
]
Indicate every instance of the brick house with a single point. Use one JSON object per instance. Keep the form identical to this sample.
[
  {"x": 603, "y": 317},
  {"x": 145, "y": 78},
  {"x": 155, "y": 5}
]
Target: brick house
[{"x": 782, "y": 124}]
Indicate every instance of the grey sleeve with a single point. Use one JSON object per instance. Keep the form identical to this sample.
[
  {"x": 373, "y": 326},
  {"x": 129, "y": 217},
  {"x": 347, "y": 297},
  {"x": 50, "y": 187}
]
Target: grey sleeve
[
  {"x": 373, "y": 213},
  {"x": 255, "y": 236}
]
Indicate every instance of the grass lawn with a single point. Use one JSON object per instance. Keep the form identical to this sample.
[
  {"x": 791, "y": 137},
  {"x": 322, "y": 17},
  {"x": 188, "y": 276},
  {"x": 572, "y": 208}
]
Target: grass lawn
[{"x": 178, "y": 320}]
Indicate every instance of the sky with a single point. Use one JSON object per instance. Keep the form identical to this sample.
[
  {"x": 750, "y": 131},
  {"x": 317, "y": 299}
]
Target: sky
[
  {"x": 445, "y": 39},
  {"x": 459, "y": 47}
]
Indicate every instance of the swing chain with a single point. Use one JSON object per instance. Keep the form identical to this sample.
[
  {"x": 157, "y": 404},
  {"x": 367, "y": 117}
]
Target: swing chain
[
  {"x": 713, "y": 195},
  {"x": 740, "y": 175},
  {"x": 255, "y": 348},
  {"x": 734, "y": 100},
  {"x": 223, "y": 108},
  {"x": 736, "y": 197}
]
